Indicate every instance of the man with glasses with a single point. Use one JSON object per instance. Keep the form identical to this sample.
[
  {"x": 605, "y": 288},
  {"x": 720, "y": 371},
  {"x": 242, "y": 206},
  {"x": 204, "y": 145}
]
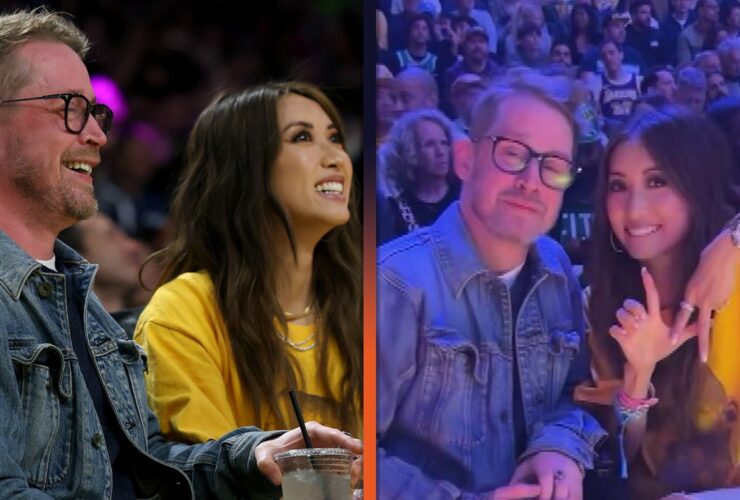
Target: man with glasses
[
  {"x": 74, "y": 421},
  {"x": 480, "y": 330}
]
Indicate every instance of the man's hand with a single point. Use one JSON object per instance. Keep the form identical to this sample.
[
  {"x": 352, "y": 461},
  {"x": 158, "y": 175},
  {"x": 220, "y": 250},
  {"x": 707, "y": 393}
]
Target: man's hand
[
  {"x": 321, "y": 437},
  {"x": 709, "y": 288},
  {"x": 558, "y": 476},
  {"x": 518, "y": 491}
]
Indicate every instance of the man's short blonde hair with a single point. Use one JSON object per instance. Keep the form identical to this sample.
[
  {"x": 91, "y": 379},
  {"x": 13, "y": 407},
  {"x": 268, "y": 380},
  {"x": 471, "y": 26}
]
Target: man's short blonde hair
[
  {"x": 22, "y": 26},
  {"x": 541, "y": 88}
]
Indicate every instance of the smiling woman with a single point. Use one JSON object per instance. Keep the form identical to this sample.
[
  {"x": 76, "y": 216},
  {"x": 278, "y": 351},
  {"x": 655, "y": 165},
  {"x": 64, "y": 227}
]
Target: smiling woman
[
  {"x": 657, "y": 207},
  {"x": 261, "y": 285}
]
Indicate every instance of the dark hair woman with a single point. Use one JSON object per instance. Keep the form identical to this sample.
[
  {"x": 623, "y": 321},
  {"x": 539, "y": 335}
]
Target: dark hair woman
[
  {"x": 261, "y": 288},
  {"x": 584, "y": 30},
  {"x": 659, "y": 202}
]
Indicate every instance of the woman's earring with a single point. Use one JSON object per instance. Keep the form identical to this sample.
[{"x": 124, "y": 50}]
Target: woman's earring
[{"x": 615, "y": 247}]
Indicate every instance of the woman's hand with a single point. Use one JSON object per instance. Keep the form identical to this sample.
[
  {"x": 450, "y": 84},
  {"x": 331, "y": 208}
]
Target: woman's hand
[
  {"x": 642, "y": 334},
  {"x": 709, "y": 288},
  {"x": 321, "y": 437}
]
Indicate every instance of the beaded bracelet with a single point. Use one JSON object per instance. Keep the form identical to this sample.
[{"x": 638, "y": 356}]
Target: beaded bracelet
[{"x": 629, "y": 408}]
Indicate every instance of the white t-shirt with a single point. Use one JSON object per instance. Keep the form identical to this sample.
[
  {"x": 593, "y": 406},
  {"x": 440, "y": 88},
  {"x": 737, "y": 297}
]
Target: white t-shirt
[
  {"x": 51, "y": 263},
  {"x": 509, "y": 277}
]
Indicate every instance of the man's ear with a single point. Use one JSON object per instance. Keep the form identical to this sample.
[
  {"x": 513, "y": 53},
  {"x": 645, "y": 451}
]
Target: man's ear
[{"x": 463, "y": 158}]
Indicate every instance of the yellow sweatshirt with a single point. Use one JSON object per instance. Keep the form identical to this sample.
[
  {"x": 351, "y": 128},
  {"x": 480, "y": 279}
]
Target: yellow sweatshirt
[{"x": 193, "y": 384}]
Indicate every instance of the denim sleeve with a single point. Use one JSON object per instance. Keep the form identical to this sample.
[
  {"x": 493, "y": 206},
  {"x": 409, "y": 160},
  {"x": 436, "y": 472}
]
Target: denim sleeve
[
  {"x": 13, "y": 482},
  {"x": 224, "y": 468},
  {"x": 568, "y": 429},
  {"x": 398, "y": 330}
]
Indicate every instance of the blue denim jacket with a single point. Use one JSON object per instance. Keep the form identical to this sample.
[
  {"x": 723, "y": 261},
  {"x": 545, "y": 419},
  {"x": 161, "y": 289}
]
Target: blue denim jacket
[
  {"x": 50, "y": 435},
  {"x": 445, "y": 371}
]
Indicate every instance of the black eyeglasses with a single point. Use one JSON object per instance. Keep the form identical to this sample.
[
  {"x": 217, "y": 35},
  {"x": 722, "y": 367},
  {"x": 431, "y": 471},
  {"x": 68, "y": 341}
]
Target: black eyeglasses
[
  {"x": 77, "y": 110},
  {"x": 512, "y": 156}
]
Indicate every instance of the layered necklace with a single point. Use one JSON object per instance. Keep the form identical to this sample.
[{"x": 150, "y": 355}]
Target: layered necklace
[{"x": 306, "y": 344}]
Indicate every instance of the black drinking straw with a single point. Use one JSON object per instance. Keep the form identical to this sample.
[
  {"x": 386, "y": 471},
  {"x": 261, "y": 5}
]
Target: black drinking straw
[{"x": 299, "y": 416}]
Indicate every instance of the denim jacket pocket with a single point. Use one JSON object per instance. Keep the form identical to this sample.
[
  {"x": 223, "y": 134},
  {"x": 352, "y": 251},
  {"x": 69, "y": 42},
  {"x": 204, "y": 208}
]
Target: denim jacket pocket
[
  {"x": 454, "y": 390},
  {"x": 43, "y": 372},
  {"x": 564, "y": 345}
]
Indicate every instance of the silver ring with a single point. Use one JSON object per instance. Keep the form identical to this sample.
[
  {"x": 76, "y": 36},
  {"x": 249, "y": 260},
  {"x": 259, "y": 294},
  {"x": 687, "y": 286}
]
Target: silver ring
[
  {"x": 559, "y": 474},
  {"x": 688, "y": 307}
]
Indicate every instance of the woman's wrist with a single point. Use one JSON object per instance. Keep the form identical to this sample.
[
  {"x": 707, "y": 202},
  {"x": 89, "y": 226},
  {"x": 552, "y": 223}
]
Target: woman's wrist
[{"x": 637, "y": 380}]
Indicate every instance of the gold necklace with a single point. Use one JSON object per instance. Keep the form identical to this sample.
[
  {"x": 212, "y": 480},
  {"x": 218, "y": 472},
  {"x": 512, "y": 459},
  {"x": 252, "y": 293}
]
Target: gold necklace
[
  {"x": 304, "y": 345},
  {"x": 294, "y": 316}
]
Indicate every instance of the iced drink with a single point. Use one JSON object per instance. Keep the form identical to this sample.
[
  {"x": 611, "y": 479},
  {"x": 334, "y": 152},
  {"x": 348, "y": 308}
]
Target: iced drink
[{"x": 316, "y": 474}]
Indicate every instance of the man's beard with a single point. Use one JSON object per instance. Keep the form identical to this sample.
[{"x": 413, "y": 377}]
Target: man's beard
[
  {"x": 50, "y": 200},
  {"x": 66, "y": 203}
]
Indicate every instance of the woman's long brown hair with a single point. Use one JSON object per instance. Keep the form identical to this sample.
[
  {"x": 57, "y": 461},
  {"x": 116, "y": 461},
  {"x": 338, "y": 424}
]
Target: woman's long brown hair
[
  {"x": 224, "y": 221},
  {"x": 694, "y": 156}
]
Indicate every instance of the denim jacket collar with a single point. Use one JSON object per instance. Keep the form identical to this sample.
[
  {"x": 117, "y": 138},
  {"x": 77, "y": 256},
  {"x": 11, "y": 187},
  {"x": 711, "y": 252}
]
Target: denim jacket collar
[
  {"x": 16, "y": 265},
  {"x": 461, "y": 261}
]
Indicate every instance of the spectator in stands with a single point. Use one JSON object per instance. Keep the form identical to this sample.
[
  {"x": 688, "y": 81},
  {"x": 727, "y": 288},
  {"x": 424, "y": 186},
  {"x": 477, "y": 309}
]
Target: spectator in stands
[
  {"x": 502, "y": 11},
  {"x": 482, "y": 17},
  {"x": 642, "y": 36},
  {"x": 691, "y": 40},
  {"x": 418, "y": 162},
  {"x": 659, "y": 202},
  {"x": 460, "y": 26},
  {"x": 729, "y": 55},
  {"x": 716, "y": 35},
  {"x": 691, "y": 89},
  {"x": 417, "y": 89},
  {"x": 528, "y": 48},
  {"x": 446, "y": 294},
  {"x": 445, "y": 43},
  {"x": 528, "y": 13},
  {"x": 416, "y": 50},
  {"x": 729, "y": 17},
  {"x": 117, "y": 255},
  {"x": 561, "y": 58},
  {"x": 261, "y": 288},
  {"x": 707, "y": 61},
  {"x": 716, "y": 87},
  {"x": 387, "y": 102},
  {"x": 584, "y": 34},
  {"x": 398, "y": 24},
  {"x": 465, "y": 90},
  {"x": 614, "y": 31},
  {"x": 475, "y": 59},
  {"x": 617, "y": 89},
  {"x": 659, "y": 82},
  {"x": 124, "y": 186},
  {"x": 672, "y": 25}
]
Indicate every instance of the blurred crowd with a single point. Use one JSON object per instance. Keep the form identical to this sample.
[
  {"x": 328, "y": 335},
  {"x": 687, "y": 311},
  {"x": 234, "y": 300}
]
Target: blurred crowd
[
  {"x": 157, "y": 65},
  {"x": 606, "y": 60}
]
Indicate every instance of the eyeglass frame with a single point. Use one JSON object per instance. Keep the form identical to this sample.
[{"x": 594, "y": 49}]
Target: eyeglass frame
[
  {"x": 531, "y": 154},
  {"x": 67, "y": 98}
]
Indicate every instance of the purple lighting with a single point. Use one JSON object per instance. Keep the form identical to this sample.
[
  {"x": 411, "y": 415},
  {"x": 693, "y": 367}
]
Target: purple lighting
[{"x": 107, "y": 92}]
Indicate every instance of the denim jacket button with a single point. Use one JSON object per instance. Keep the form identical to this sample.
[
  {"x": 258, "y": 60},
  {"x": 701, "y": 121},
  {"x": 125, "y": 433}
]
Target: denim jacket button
[
  {"x": 97, "y": 440},
  {"x": 44, "y": 290}
]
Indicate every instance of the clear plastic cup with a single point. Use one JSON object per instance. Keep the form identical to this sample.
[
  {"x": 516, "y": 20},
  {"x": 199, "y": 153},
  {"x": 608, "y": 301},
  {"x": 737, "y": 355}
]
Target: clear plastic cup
[{"x": 316, "y": 474}]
